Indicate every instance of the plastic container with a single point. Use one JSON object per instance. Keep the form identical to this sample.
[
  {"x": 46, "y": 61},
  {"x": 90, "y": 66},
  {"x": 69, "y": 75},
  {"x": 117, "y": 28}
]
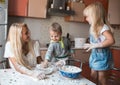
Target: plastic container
[{"x": 79, "y": 42}]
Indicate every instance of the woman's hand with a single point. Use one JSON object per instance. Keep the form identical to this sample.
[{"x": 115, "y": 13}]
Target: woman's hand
[{"x": 39, "y": 75}]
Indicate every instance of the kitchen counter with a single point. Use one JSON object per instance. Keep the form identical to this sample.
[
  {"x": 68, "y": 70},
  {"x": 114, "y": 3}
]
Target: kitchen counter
[
  {"x": 45, "y": 48},
  {"x": 115, "y": 47},
  {"x": 11, "y": 77}
]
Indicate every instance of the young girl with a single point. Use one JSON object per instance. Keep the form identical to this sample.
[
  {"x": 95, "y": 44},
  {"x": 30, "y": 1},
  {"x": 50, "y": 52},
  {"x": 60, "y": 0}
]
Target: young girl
[
  {"x": 59, "y": 48},
  {"x": 21, "y": 51},
  {"x": 101, "y": 38}
]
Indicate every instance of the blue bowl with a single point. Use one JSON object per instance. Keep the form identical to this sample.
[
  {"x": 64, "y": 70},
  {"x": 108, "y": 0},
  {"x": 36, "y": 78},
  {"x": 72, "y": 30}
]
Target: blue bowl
[{"x": 70, "y": 71}]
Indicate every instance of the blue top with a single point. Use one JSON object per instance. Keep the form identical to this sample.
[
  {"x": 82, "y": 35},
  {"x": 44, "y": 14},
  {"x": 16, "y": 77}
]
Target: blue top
[{"x": 100, "y": 58}]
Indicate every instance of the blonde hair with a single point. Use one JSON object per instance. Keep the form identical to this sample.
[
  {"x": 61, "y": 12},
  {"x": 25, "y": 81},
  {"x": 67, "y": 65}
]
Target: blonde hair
[
  {"x": 56, "y": 27},
  {"x": 99, "y": 18},
  {"x": 15, "y": 38}
]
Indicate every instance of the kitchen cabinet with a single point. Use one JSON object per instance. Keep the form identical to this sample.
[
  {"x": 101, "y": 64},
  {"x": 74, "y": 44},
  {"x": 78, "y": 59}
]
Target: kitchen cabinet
[
  {"x": 17, "y": 7},
  {"x": 116, "y": 57},
  {"x": 113, "y": 11},
  {"x": 86, "y": 72},
  {"x": 114, "y": 74},
  {"x": 28, "y": 8},
  {"x": 37, "y": 8},
  {"x": 78, "y": 7},
  {"x": 104, "y": 2},
  {"x": 113, "y": 77},
  {"x": 82, "y": 55}
]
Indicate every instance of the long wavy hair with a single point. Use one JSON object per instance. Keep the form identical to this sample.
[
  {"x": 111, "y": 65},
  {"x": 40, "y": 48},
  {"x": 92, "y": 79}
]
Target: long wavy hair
[
  {"x": 15, "y": 39},
  {"x": 97, "y": 12}
]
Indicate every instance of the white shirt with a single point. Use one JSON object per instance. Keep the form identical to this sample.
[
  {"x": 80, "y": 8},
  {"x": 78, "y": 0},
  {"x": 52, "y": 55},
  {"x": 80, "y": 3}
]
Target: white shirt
[
  {"x": 102, "y": 37},
  {"x": 28, "y": 58}
]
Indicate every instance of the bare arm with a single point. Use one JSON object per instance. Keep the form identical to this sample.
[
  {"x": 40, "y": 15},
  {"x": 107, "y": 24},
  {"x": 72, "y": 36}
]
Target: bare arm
[
  {"x": 20, "y": 68},
  {"x": 109, "y": 39},
  {"x": 24, "y": 70}
]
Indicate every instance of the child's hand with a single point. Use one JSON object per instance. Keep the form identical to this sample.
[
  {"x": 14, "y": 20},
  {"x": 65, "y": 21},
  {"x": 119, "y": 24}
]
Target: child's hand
[
  {"x": 60, "y": 63},
  {"x": 92, "y": 46}
]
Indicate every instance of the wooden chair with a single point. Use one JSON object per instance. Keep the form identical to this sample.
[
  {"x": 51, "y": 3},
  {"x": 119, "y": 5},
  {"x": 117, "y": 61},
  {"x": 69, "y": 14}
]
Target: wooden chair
[{"x": 4, "y": 64}]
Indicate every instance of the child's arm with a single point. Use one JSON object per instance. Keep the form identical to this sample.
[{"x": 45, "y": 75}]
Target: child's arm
[
  {"x": 48, "y": 55},
  {"x": 45, "y": 63},
  {"x": 107, "y": 42},
  {"x": 109, "y": 39}
]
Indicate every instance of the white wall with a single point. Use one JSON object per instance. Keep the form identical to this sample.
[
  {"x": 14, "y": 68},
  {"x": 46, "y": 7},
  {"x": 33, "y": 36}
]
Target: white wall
[{"x": 39, "y": 27}]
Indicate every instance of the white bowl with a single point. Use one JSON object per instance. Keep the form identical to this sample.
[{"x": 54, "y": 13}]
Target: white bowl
[{"x": 48, "y": 71}]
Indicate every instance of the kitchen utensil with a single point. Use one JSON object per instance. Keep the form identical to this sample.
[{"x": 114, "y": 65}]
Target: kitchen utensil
[{"x": 79, "y": 42}]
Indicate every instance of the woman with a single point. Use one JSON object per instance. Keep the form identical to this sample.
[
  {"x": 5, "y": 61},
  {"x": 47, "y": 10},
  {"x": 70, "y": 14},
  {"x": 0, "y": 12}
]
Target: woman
[{"x": 21, "y": 51}]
